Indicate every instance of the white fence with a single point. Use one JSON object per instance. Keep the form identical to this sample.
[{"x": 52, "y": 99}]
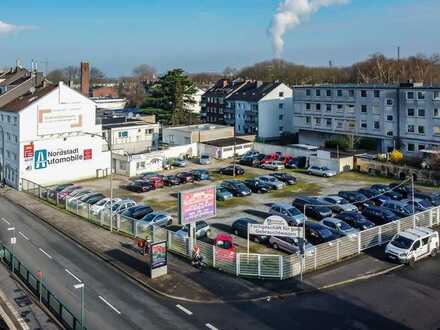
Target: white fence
[{"x": 243, "y": 264}]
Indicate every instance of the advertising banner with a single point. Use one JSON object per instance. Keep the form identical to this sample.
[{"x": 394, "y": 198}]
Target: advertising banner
[
  {"x": 197, "y": 204},
  {"x": 158, "y": 254},
  {"x": 275, "y": 230},
  {"x": 28, "y": 151},
  {"x": 62, "y": 119}
]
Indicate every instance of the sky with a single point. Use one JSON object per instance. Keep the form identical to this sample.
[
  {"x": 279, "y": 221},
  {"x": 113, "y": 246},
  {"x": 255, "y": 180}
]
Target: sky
[{"x": 207, "y": 35}]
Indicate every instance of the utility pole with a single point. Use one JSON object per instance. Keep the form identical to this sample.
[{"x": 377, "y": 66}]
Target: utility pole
[{"x": 81, "y": 286}]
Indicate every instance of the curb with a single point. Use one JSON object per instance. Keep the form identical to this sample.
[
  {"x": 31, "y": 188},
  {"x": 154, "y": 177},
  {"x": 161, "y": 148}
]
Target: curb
[{"x": 147, "y": 286}]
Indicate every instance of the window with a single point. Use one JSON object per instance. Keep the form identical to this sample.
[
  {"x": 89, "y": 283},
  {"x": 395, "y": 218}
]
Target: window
[
  {"x": 410, "y": 95},
  {"x": 329, "y": 92},
  {"x": 15, "y": 120},
  {"x": 364, "y": 108},
  {"x": 308, "y": 120},
  {"x": 350, "y": 108},
  {"x": 281, "y": 94},
  {"x": 411, "y": 112},
  {"x": 390, "y": 133},
  {"x": 421, "y": 129},
  {"x": 389, "y": 101},
  {"x": 422, "y": 147},
  {"x": 280, "y": 117},
  {"x": 411, "y": 129},
  {"x": 318, "y": 121},
  {"x": 308, "y": 106},
  {"x": 436, "y": 130},
  {"x": 318, "y": 92},
  {"x": 390, "y": 118},
  {"x": 3, "y": 118},
  {"x": 363, "y": 93},
  {"x": 280, "y": 106},
  {"x": 421, "y": 112},
  {"x": 8, "y": 153},
  {"x": 376, "y": 93},
  {"x": 437, "y": 113},
  {"x": 308, "y": 92},
  {"x": 351, "y": 92},
  {"x": 328, "y": 122},
  {"x": 411, "y": 147},
  {"x": 351, "y": 124},
  {"x": 318, "y": 106},
  {"x": 376, "y": 109},
  {"x": 281, "y": 128},
  {"x": 340, "y": 108},
  {"x": 376, "y": 125},
  {"x": 8, "y": 136},
  {"x": 339, "y": 124},
  {"x": 339, "y": 92},
  {"x": 436, "y": 95},
  {"x": 421, "y": 95},
  {"x": 15, "y": 139},
  {"x": 8, "y": 118},
  {"x": 123, "y": 134}
]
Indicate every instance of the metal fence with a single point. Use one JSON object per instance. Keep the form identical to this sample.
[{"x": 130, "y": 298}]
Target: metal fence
[
  {"x": 39, "y": 289},
  {"x": 243, "y": 264}
]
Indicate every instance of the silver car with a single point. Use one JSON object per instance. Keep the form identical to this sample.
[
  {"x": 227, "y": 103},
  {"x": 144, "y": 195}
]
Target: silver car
[
  {"x": 290, "y": 213},
  {"x": 321, "y": 171},
  {"x": 160, "y": 219},
  {"x": 272, "y": 181},
  {"x": 339, "y": 226},
  {"x": 289, "y": 244},
  {"x": 338, "y": 204},
  {"x": 274, "y": 165},
  {"x": 205, "y": 160},
  {"x": 202, "y": 230}
]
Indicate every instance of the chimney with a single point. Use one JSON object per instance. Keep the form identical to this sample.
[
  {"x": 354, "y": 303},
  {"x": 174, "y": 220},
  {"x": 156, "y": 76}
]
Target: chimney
[
  {"x": 225, "y": 83},
  {"x": 85, "y": 78}
]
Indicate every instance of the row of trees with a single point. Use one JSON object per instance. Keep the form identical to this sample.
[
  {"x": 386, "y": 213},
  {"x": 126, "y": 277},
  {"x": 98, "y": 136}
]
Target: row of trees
[{"x": 73, "y": 74}]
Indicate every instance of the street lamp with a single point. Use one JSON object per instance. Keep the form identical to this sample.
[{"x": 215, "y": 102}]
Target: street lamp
[
  {"x": 81, "y": 286},
  {"x": 13, "y": 242}
]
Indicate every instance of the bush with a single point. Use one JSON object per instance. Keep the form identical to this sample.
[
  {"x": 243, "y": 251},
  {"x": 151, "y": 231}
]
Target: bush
[{"x": 396, "y": 157}]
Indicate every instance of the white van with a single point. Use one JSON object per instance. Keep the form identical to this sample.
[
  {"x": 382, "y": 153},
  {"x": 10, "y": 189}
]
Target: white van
[{"x": 413, "y": 244}]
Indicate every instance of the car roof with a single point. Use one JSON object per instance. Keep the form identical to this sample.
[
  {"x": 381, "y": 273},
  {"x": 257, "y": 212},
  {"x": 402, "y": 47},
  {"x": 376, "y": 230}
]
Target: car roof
[
  {"x": 284, "y": 205},
  {"x": 334, "y": 220},
  {"x": 248, "y": 220}
]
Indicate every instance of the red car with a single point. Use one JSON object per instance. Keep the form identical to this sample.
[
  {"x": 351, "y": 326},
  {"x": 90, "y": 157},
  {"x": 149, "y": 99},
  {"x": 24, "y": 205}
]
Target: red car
[
  {"x": 156, "y": 182},
  {"x": 225, "y": 248},
  {"x": 285, "y": 159},
  {"x": 269, "y": 158}
]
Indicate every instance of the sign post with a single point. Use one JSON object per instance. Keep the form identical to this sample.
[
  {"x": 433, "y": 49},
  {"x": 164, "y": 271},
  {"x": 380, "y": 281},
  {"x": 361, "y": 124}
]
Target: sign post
[{"x": 158, "y": 259}]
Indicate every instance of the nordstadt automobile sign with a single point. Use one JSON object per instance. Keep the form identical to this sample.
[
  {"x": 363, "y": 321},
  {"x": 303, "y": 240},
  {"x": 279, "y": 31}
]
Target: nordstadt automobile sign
[
  {"x": 43, "y": 158},
  {"x": 275, "y": 230},
  {"x": 197, "y": 204}
]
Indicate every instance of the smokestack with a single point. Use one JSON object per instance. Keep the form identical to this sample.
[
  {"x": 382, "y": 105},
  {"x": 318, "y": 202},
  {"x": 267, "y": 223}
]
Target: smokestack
[{"x": 85, "y": 78}]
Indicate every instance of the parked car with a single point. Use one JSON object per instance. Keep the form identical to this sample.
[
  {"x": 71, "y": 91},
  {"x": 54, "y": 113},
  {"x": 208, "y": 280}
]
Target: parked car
[
  {"x": 312, "y": 207},
  {"x": 249, "y": 161},
  {"x": 317, "y": 234},
  {"x": 202, "y": 230},
  {"x": 62, "y": 195},
  {"x": 178, "y": 162},
  {"x": 338, "y": 204},
  {"x": 205, "y": 160},
  {"x": 275, "y": 165},
  {"x": 77, "y": 194},
  {"x": 353, "y": 197},
  {"x": 284, "y": 177},
  {"x": 200, "y": 174},
  {"x": 413, "y": 244},
  {"x": 420, "y": 205},
  {"x": 223, "y": 194},
  {"x": 92, "y": 199},
  {"x": 170, "y": 180},
  {"x": 161, "y": 219},
  {"x": 229, "y": 170},
  {"x": 434, "y": 199},
  {"x": 156, "y": 182},
  {"x": 356, "y": 220},
  {"x": 402, "y": 189},
  {"x": 257, "y": 186},
  {"x": 374, "y": 196},
  {"x": 269, "y": 158},
  {"x": 321, "y": 171},
  {"x": 379, "y": 215},
  {"x": 122, "y": 205},
  {"x": 237, "y": 188},
  {"x": 289, "y": 244},
  {"x": 140, "y": 186},
  {"x": 272, "y": 182},
  {"x": 102, "y": 204},
  {"x": 339, "y": 226},
  {"x": 240, "y": 228},
  {"x": 297, "y": 162},
  {"x": 399, "y": 208},
  {"x": 251, "y": 153},
  {"x": 225, "y": 248},
  {"x": 137, "y": 212},
  {"x": 381, "y": 188},
  {"x": 291, "y": 214},
  {"x": 54, "y": 191},
  {"x": 185, "y": 177},
  {"x": 285, "y": 159},
  {"x": 149, "y": 175}
]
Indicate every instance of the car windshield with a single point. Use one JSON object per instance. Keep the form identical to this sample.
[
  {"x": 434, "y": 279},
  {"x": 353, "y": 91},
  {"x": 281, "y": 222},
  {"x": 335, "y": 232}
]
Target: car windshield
[
  {"x": 102, "y": 202},
  {"x": 343, "y": 226},
  {"x": 402, "y": 242},
  {"x": 325, "y": 233},
  {"x": 424, "y": 203},
  {"x": 293, "y": 211},
  {"x": 115, "y": 207},
  {"x": 205, "y": 157}
]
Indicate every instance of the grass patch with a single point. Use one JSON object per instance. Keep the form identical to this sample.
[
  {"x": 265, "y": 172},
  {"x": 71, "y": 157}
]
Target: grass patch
[
  {"x": 236, "y": 201},
  {"x": 360, "y": 177},
  {"x": 215, "y": 176},
  {"x": 302, "y": 188},
  {"x": 164, "y": 205}
]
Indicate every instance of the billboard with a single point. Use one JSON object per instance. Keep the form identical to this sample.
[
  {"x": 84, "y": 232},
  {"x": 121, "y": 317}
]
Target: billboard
[
  {"x": 158, "y": 254},
  {"x": 275, "y": 230},
  {"x": 197, "y": 204},
  {"x": 64, "y": 119}
]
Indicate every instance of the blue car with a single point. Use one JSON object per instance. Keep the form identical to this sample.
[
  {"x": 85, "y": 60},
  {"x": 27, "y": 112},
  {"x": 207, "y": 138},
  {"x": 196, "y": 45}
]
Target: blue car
[{"x": 200, "y": 174}]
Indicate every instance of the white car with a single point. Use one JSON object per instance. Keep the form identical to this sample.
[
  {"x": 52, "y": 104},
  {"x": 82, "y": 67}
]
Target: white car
[
  {"x": 272, "y": 181},
  {"x": 205, "y": 160},
  {"x": 321, "y": 171},
  {"x": 122, "y": 205},
  {"x": 338, "y": 204},
  {"x": 413, "y": 244},
  {"x": 102, "y": 204},
  {"x": 275, "y": 165}
]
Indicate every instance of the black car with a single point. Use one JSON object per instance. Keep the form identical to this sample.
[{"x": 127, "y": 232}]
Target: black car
[
  {"x": 249, "y": 161},
  {"x": 354, "y": 197},
  {"x": 170, "y": 180},
  {"x": 297, "y": 162},
  {"x": 405, "y": 191},
  {"x": 317, "y": 234},
  {"x": 434, "y": 199},
  {"x": 284, "y": 177},
  {"x": 374, "y": 195},
  {"x": 379, "y": 215},
  {"x": 53, "y": 192},
  {"x": 356, "y": 220},
  {"x": 240, "y": 228},
  {"x": 387, "y": 191},
  {"x": 200, "y": 174},
  {"x": 257, "y": 186},
  {"x": 137, "y": 212},
  {"x": 140, "y": 186},
  {"x": 237, "y": 188},
  {"x": 185, "y": 177},
  {"x": 229, "y": 170},
  {"x": 94, "y": 199},
  {"x": 312, "y": 207}
]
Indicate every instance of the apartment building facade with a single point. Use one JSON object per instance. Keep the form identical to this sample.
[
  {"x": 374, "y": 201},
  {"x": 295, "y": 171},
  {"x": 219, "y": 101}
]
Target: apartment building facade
[{"x": 404, "y": 116}]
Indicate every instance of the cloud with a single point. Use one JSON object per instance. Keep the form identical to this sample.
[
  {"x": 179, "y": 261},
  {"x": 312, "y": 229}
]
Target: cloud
[
  {"x": 6, "y": 28},
  {"x": 290, "y": 14}
]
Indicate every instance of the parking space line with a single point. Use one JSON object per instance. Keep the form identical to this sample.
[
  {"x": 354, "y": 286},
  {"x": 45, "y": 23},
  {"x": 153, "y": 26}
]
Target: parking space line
[
  {"x": 73, "y": 275},
  {"x": 6, "y": 221},
  {"x": 183, "y": 309},
  {"x": 109, "y": 305},
  {"x": 24, "y": 236},
  {"x": 210, "y": 326},
  {"x": 44, "y": 252}
]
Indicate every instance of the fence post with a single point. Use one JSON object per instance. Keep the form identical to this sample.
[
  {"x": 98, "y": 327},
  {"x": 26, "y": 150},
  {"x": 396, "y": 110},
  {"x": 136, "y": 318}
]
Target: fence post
[
  {"x": 337, "y": 250},
  {"x": 281, "y": 266},
  {"x": 430, "y": 218},
  {"x": 315, "y": 252},
  {"x": 259, "y": 265},
  {"x": 379, "y": 235},
  {"x": 359, "y": 242},
  {"x": 77, "y": 207},
  {"x": 237, "y": 264},
  {"x": 213, "y": 256}
]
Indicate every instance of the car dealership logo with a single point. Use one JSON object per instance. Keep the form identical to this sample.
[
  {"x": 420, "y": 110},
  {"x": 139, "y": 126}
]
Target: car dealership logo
[{"x": 40, "y": 159}]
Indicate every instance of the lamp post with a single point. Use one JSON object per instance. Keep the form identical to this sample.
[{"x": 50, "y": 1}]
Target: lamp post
[
  {"x": 13, "y": 242},
  {"x": 81, "y": 287}
]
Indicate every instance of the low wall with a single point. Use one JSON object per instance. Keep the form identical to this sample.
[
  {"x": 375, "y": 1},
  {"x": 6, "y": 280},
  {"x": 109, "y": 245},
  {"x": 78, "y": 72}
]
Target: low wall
[
  {"x": 338, "y": 165},
  {"x": 293, "y": 151}
]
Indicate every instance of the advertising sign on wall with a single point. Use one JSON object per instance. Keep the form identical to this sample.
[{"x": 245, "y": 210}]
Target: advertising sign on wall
[
  {"x": 64, "y": 119},
  {"x": 158, "y": 254},
  {"x": 28, "y": 151},
  {"x": 197, "y": 204}
]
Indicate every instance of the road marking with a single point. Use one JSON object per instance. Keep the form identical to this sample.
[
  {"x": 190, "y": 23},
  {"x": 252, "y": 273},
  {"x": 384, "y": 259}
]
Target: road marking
[
  {"x": 210, "y": 326},
  {"x": 6, "y": 221},
  {"x": 109, "y": 305},
  {"x": 183, "y": 309},
  {"x": 24, "y": 236},
  {"x": 73, "y": 275},
  {"x": 47, "y": 254}
]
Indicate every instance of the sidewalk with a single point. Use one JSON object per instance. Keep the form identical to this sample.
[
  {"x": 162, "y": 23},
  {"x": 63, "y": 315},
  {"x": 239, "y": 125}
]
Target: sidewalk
[
  {"x": 16, "y": 301},
  {"x": 184, "y": 281}
]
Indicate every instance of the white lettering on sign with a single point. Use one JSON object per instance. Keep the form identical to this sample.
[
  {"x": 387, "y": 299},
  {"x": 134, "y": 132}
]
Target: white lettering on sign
[
  {"x": 275, "y": 220},
  {"x": 275, "y": 230}
]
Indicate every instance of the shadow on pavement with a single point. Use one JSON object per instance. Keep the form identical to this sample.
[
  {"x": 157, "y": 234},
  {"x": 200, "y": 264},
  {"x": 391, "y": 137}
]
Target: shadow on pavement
[{"x": 257, "y": 213}]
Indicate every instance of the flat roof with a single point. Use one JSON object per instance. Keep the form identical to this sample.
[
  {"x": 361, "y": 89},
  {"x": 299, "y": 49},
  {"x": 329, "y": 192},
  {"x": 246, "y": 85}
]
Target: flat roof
[
  {"x": 126, "y": 124},
  {"x": 196, "y": 128},
  {"x": 227, "y": 142}
]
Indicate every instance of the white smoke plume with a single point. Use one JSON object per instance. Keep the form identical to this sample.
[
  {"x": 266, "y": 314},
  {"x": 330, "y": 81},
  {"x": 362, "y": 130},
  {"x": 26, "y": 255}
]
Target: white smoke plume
[
  {"x": 6, "y": 28},
  {"x": 290, "y": 14}
]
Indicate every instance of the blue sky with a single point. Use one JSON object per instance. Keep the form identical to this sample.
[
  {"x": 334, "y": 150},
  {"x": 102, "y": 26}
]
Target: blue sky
[{"x": 208, "y": 35}]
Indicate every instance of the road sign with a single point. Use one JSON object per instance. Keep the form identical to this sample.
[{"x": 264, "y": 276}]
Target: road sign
[{"x": 275, "y": 230}]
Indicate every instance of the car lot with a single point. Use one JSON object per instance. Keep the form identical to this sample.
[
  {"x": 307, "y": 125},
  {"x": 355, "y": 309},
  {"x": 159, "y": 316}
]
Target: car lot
[{"x": 256, "y": 206}]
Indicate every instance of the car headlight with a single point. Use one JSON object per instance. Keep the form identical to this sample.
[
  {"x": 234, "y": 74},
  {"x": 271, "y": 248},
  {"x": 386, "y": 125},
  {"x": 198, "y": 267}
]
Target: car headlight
[{"x": 404, "y": 255}]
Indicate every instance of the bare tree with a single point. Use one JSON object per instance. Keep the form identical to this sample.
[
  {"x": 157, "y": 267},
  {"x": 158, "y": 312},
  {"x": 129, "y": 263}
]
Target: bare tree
[{"x": 144, "y": 73}]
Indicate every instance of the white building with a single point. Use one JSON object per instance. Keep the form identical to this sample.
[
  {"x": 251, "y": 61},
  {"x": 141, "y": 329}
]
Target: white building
[
  {"x": 182, "y": 135},
  {"x": 197, "y": 97},
  {"x": 51, "y": 136}
]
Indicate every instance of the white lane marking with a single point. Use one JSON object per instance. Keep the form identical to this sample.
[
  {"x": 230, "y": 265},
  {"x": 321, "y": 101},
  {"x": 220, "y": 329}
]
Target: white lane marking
[
  {"x": 47, "y": 254},
  {"x": 73, "y": 275},
  {"x": 24, "y": 236},
  {"x": 183, "y": 309},
  {"x": 6, "y": 221},
  {"x": 210, "y": 326},
  {"x": 109, "y": 305}
]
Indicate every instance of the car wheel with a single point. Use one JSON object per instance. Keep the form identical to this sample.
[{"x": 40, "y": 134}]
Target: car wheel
[
  {"x": 275, "y": 246},
  {"x": 235, "y": 232},
  {"x": 433, "y": 252},
  {"x": 309, "y": 173},
  {"x": 411, "y": 262}
]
